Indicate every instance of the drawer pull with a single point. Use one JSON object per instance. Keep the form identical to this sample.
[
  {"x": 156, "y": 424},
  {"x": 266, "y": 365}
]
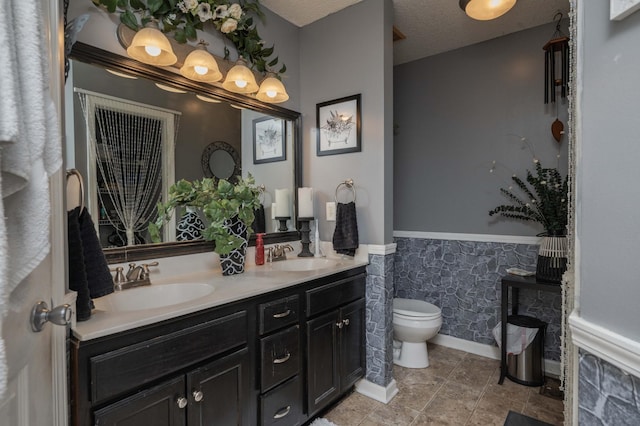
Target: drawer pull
[
  {"x": 198, "y": 396},
  {"x": 339, "y": 324},
  {"x": 346, "y": 321},
  {"x": 283, "y": 359},
  {"x": 282, "y": 413},
  {"x": 182, "y": 402},
  {"x": 283, "y": 314}
]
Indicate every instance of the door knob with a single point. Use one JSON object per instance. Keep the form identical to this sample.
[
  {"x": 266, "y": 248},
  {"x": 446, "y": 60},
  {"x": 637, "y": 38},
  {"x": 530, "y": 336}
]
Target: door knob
[
  {"x": 182, "y": 402},
  {"x": 198, "y": 395},
  {"x": 40, "y": 315}
]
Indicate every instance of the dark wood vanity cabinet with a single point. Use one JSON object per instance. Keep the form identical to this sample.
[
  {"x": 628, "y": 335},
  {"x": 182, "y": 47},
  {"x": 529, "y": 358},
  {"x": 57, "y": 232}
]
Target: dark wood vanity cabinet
[{"x": 275, "y": 359}]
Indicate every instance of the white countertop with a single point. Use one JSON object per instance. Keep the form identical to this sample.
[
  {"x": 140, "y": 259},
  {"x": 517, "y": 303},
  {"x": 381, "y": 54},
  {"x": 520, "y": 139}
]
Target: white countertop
[{"x": 254, "y": 281}]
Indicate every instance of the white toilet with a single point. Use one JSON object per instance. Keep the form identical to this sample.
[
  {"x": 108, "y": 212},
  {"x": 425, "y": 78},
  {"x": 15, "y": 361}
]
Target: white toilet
[{"x": 414, "y": 322}]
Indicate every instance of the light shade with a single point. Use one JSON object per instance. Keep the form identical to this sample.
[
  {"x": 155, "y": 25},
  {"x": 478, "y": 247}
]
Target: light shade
[
  {"x": 240, "y": 79},
  {"x": 272, "y": 90},
  {"x": 484, "y": 10},
  {"x": 152, "y": 47},
  {"x": 201, "y": 66}
]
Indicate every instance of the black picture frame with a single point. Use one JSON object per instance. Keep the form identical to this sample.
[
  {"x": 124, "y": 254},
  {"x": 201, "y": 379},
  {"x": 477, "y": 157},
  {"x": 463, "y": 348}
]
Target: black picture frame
[
  {"x": 338, "y": 125},
  {"x": 269, "y": 140}
]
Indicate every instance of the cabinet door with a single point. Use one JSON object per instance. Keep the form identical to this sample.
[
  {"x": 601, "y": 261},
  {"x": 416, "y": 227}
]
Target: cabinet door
[
  {"x": 156, "y": 406},
  {"x": 322, "y": 361},
  {"x": 352, "y": 347},
  {"x": 219, "y": 392}
]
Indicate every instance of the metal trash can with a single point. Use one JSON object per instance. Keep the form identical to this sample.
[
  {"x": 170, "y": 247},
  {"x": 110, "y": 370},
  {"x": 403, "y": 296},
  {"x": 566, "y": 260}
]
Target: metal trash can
[{"x": 527, "y": 367}]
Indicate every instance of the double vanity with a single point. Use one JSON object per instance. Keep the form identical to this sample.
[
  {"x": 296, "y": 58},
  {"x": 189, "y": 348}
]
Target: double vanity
[{"x": 272, "y": 346}]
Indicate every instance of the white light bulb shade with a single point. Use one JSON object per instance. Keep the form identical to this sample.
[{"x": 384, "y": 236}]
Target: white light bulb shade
[
  {"x": 240, "y": 72},
  {"x": 484, "y": 10},
  {"x": 272, "y": 90},
  {"x": 201, "y": 60},
  {"x": 152, "y": 37}
]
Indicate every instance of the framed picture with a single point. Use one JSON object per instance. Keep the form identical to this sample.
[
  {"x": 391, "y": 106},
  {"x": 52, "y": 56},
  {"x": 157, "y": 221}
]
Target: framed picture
[
  {"x": 269, "y": 140},
  {"x": 620, "y": 9},
  {"x": 338, "y": 126}
]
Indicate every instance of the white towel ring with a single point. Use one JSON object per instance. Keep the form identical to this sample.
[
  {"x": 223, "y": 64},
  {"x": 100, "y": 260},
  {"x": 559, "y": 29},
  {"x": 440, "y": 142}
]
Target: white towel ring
[{"x": 349, "y": 184}]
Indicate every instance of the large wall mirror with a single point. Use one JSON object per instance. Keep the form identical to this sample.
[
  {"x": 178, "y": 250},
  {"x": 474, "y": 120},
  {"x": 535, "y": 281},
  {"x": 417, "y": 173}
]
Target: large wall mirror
[{"x": 210, "y": 133}]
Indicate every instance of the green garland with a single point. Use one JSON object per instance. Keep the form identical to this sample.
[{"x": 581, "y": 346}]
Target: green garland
[
  {"x": 183, "y": 18},
  {"x": 544, "y": 200}
]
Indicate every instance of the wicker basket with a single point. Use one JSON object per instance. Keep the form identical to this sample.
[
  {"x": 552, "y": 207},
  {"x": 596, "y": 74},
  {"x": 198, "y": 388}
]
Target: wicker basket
[{"x": 552, "y": 259}]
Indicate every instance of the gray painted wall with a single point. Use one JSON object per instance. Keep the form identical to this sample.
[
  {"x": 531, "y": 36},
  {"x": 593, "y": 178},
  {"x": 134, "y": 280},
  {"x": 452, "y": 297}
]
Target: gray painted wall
[
  {"x": 608, "y": 174},
  {"x": 456, "y": 113},
  {"x": 341, "y": 58}
]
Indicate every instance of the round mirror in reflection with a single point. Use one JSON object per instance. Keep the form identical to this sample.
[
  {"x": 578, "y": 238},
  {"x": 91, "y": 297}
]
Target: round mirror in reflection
[{"x": 221, "y": 161}]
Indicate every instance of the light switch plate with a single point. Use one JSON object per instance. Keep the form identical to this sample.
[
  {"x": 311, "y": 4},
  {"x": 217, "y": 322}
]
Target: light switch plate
[{"x": 331, "y": 211}]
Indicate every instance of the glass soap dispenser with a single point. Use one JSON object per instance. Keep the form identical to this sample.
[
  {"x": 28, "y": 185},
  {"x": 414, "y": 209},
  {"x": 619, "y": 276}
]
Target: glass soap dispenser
[{"x": 259, "y": 249}]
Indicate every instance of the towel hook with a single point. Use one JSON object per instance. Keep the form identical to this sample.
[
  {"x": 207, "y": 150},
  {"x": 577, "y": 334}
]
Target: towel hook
[
  {"x": 78, "y": 176},
  {"x": 349, "y": 184}
]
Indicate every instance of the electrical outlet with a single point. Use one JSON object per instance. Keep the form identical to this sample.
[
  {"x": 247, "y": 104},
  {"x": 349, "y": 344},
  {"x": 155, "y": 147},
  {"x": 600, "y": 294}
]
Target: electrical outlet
[{"x": 331, "y": 211}]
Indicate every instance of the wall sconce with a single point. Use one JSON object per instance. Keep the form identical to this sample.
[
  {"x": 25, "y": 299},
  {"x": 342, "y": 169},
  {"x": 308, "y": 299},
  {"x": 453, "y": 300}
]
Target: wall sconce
[
  {"x": 200, "y": 65},
  {"x": 484, "y": 10},
  {"x": 152, "y": 47},
  {"x": 272, "y": 90},
  {"x": 240, "y": 79}
]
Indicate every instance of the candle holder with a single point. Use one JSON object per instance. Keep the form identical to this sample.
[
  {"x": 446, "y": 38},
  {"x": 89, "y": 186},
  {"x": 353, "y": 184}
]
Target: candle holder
[
  {"x": 305, "y": 231},
  {"x": 283, "y": 223}
]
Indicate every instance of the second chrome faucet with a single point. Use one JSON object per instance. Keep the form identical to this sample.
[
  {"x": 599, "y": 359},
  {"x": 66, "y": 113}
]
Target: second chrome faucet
[
  {"x": 278, "y": 252},
  {"x": 137, "y": 276}
]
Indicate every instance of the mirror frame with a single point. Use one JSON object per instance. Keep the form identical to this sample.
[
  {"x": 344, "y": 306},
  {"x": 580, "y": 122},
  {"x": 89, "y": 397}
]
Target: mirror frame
[{"x": 93, "y": 55}]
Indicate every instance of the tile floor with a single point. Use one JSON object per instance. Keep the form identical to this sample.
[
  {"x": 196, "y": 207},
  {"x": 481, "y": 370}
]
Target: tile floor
[{"x": 457, "y": 389}]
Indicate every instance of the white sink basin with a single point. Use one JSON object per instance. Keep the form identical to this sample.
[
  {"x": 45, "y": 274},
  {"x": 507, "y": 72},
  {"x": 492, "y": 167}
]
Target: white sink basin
[
  {"x": 153, "y": 296},
  {"x": 303, "y": 264}
]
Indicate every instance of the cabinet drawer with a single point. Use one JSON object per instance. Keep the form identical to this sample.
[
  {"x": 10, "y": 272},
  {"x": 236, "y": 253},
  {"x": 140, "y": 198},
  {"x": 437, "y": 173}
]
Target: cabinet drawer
[
  {"x": 330, "y": 296},
  {"x": 280, "y": 357},
  {"x": 278, "y": 313},
  {"x": 133, "y": 366},
  {"x": 283, "y": 405}
]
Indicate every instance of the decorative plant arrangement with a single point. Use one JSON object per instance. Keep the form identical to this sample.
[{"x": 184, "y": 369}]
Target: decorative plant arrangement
[
  {"x": 228, "y": 208},
  {"x": 543, "y": 200},
  {"x": 183, "y": 18}
]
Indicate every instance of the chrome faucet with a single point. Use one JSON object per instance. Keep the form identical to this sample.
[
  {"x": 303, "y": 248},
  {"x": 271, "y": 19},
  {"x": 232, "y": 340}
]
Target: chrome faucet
[
  {"x": 137, "y": 276},
  {"x": 279, "y": 252}
]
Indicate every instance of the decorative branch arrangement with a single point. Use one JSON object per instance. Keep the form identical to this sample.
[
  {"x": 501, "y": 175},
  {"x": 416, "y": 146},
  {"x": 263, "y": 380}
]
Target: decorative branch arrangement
[
  {"x": 183, "y": 18},
  {"x": 543, "y": 200}
]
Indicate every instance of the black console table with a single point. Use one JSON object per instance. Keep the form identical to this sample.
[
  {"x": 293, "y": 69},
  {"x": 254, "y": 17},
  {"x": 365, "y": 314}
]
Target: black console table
[{"x": 516, "y": 282}]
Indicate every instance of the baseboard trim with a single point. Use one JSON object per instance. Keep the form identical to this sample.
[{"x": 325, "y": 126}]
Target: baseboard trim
[
  {"x": 377, "y": 392},
  {"x": 484, "y": 238},
  {"x": 608, "y": 345},
  {"x": 551, "y": 367}
]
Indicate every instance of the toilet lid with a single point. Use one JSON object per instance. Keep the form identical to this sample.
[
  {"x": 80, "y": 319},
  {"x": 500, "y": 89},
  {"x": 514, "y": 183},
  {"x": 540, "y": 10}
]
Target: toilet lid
[{"x": 411, "y": 307}]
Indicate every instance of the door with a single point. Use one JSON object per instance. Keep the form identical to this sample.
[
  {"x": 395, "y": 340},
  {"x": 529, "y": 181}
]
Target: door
[
  {"x": 352, "y": 347},
  {"x": 322, "y": 361},
  {"x": 36, "y": 380}
]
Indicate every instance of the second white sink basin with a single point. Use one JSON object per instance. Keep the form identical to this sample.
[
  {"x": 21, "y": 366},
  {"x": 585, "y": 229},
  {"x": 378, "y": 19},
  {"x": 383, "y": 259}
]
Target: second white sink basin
[
  {"x": 303, "y": 264},
  {"x": 153, "y": 296}
]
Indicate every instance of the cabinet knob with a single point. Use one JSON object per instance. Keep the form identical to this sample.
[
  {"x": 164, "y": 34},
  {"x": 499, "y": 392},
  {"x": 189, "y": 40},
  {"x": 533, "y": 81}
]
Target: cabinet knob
[
  {"x": 198, "y": 395},
  {"x": 339, "y": 324},
  {"x": 282, "y": 412},
  {"x": 283, "y": 359},
  {"x": 283, "y": 314},
  {"x": 182, "y": 402},
  {"x": 345, "y": 321}
]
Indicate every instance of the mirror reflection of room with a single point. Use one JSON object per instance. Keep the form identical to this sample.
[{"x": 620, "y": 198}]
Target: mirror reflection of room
[{"x": 125, "y": 184}]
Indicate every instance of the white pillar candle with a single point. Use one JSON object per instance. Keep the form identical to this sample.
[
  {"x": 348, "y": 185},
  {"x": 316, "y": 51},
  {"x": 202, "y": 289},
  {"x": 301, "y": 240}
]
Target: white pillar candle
[
  {"x": 283, "y": 202},
  {"x": 273, "y": 210},
  {"x": 305, "y": 202}
]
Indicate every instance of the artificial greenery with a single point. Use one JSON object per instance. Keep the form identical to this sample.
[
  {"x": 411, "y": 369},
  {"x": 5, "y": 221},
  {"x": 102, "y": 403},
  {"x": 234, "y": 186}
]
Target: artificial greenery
[
  {"x": 182, "y": 18},
  {"x": 544, "y": 200},
  {"x": 219, "y": 203}
]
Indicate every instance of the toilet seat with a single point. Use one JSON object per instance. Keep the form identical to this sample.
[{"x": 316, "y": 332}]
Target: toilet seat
[{"x": 415, "y": 309}]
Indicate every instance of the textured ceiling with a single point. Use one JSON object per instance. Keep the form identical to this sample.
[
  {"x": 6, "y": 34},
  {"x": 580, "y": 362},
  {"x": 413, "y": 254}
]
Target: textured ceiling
[{"x": 431, "y": 26}]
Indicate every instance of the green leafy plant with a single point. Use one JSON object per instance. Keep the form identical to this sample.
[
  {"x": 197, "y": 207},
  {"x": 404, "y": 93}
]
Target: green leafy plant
[
  {"x": 219, "y": 202},
  {"x": 543, "y": 200},
  {"x": 182, "y": 18}
]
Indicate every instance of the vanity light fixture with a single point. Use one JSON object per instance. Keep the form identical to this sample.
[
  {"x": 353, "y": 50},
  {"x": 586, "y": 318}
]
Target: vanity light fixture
[
  {"x": 168, "y": 88},
  {"x": 484, "y": 10},
  {"x": 272, "y": 90},
  {"x": 208, "y": 99},
  {"x": 200, "y": 65},
  {"x": 240, "y": 79},
  {"x": 152, "y": 47}
]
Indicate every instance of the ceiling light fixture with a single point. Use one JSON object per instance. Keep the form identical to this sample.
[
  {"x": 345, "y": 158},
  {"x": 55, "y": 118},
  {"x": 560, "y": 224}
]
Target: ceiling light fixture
[
  {"x": 121, "y": 74},
  {"x": 208, "y": 99},
  {"x": 484, "y": 10},
  {"x": 240, "y": 78},
  {"x": 272, "y": 90},
  {"x": 152, "y": 47},
  {"x": 168, "y": 88},
  {"x": 200, "y": 65}
]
